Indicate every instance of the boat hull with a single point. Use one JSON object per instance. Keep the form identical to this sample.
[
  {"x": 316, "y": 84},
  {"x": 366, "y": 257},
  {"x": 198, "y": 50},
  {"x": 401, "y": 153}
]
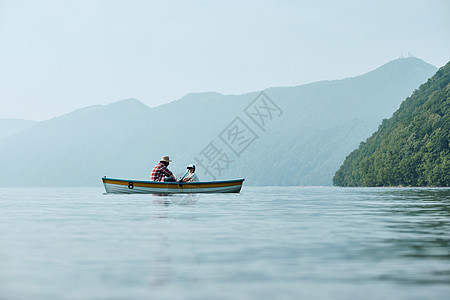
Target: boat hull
[{"x": 125, "y": 186}]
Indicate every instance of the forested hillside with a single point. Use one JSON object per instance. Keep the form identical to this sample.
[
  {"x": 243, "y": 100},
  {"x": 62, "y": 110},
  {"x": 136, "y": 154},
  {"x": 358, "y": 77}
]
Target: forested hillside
[{"x": 410, "y": 149}]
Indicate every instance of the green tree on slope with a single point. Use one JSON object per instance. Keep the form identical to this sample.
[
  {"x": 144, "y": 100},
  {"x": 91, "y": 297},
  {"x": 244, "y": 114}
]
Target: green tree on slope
[{"x": 412, "y": 148}]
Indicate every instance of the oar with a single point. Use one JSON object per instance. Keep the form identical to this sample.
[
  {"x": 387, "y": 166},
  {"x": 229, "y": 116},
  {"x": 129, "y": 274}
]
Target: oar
[{"x": 184, "y": 175}]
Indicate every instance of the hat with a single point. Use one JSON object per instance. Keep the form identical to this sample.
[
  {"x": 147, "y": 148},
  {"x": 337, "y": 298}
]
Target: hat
[
  {"x": 191, "y": 166},
  {"x": 165, "y": 158}
]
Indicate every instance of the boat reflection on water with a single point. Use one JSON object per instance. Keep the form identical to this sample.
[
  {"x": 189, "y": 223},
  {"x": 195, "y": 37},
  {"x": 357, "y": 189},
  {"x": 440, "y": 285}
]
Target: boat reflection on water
[{"x": 177, "y": 199}]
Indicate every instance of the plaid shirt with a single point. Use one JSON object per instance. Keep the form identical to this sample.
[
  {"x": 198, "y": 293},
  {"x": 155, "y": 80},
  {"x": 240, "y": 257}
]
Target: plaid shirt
[{"x": 159, "y": 171}]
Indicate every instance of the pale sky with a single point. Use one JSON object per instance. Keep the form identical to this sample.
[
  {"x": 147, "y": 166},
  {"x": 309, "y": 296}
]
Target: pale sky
[{"x": 58, "y": 56}]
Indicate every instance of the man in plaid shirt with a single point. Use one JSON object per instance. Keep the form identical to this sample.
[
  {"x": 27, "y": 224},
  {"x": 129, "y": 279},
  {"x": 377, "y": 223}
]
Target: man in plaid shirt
[{"x": 160, "y": 171}]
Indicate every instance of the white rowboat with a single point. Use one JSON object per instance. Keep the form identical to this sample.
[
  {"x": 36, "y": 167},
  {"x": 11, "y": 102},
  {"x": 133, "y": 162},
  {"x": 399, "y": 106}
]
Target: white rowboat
[{"x": 126, "y": 186}]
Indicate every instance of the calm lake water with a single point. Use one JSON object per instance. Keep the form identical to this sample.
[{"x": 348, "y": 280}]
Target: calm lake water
[{"x": 265, "y": 243}]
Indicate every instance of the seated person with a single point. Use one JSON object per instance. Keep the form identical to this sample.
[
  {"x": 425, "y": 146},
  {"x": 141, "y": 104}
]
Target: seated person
[
  {"x": 161, "y": 173},
  {"x": 191, "y": 176}
]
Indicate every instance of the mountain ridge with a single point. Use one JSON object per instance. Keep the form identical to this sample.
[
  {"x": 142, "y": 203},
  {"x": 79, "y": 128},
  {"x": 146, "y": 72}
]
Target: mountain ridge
[
  {"x": 320, "y": 124},
  {"x": 12, "y": 126}
]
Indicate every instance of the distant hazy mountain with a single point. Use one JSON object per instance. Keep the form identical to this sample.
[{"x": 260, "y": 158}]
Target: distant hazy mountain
[
  {"x": 412, "y": 148},
  {"x": 285, "y": 136},
  {"x": 12, "y": 126}
]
